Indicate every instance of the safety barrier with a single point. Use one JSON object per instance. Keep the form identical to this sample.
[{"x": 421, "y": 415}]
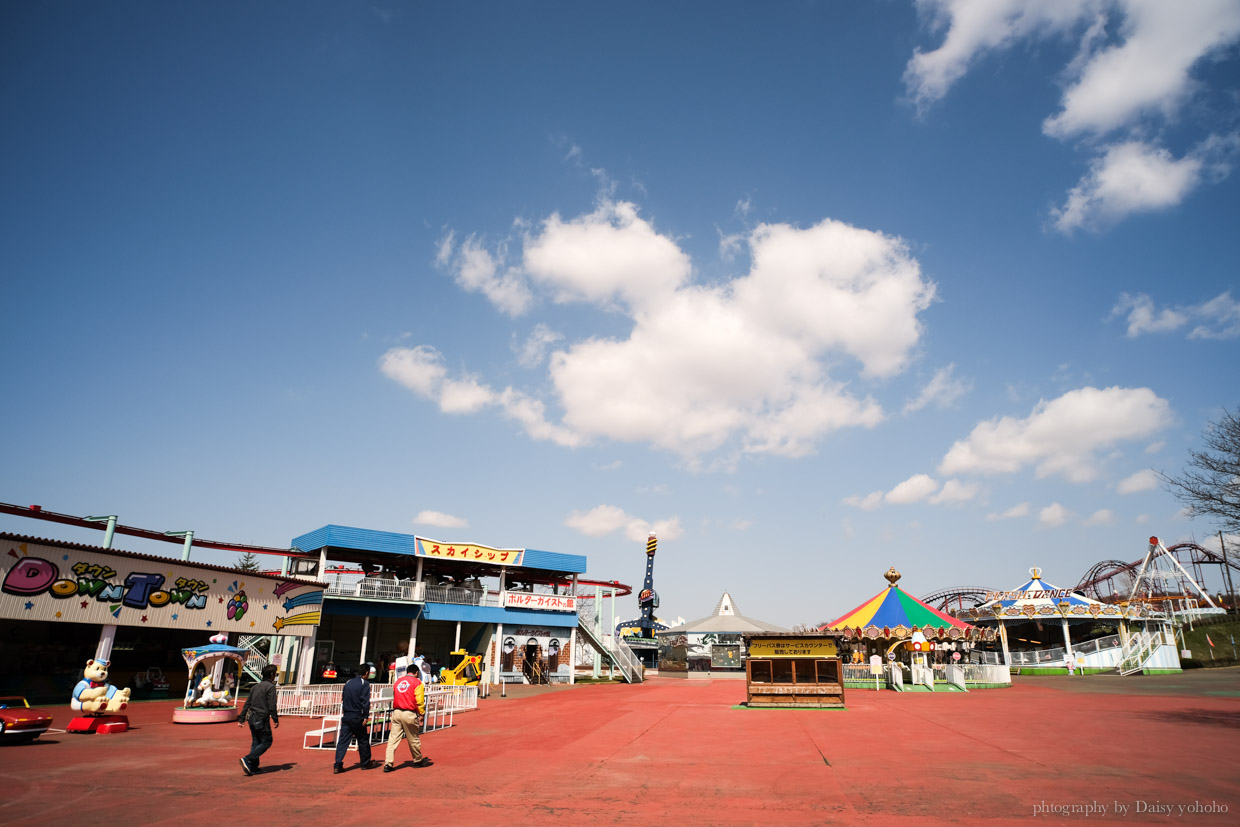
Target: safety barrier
[
  {"x": 323, "y": 700},
  {"x": 923, "y": 676},
  {"x": 954, "y": 674}
]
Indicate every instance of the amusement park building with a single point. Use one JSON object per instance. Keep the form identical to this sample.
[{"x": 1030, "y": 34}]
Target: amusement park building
[
  {"x": 63, "y": 603},
  {"x": 712, "y": 646},
  {"x": 390, "y": 595}
]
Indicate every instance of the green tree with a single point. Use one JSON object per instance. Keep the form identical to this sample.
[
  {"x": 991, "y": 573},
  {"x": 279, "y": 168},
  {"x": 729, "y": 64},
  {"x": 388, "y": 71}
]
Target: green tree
[
  {"x": 248, "y": 562},
  {"x": 1210, "y": 485}
]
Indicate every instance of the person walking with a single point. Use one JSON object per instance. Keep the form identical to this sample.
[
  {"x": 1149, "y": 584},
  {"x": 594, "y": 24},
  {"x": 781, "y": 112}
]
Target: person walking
[
  {"x": 260, "y": 712},
  {"x": 408, "y": 716},
  {"x": 354, "y": 710}
]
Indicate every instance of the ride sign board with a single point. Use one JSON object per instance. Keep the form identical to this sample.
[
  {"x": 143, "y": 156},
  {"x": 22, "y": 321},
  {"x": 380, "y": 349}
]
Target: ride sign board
[
  {"x": 793, "y": 647},
  {"x": 542, "y": 602},
  {"x": 467, "y": 552}
]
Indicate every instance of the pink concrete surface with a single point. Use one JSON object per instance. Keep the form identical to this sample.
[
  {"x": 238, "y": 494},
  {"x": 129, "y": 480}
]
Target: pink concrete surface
[{"x": 672, "y": 751}]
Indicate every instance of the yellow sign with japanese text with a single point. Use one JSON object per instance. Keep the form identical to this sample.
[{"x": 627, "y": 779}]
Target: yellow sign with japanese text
[{"x": 794, "y": 647}]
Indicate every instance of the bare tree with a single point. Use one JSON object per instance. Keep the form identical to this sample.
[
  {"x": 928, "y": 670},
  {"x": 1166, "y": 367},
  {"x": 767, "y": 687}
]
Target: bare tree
[{"x": 1210, "y": 485}]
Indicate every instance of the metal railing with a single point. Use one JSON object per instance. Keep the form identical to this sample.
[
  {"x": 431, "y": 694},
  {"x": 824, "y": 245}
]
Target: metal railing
[
  {"x": 609, "y": 646},
  {"x": 460, "y": 596},
  {"x": 1056, "y": 656},
  {"x": 954, "y": 674},
  {"x": 923, "y": 676},
  {"x": 986, "y": 673},
  {"x": 256, "y": 660},
  {"x": 355, "y": 584},
  {"x": 323, "y": 700},
  {"x": 895, "y": 677},
  {"x": 1096, "y": 645},
  {"x": 1141, "y": 646}
]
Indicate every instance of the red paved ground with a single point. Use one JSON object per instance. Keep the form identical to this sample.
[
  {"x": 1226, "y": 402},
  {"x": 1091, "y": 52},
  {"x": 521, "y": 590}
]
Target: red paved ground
[{"x": 673, "y": 751}]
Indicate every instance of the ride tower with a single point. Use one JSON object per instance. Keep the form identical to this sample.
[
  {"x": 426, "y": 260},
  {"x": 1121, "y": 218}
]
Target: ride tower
[{"x": 648, "y": 598}]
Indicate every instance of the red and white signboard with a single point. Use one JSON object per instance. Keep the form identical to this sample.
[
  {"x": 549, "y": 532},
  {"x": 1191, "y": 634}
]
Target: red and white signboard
[{"x": 542, "y": 602}]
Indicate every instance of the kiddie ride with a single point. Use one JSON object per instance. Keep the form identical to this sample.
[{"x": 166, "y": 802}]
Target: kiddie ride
[
  {"x": 463, "y": 669},
  {"x": 210, "y": 694},
  {"x": 99, "y": 701}
]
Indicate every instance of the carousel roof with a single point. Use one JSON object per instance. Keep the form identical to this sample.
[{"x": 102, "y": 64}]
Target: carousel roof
[
  {"x": 893, "y": 608},
  {"x": 195, "y": 653},
  {"x": 1037, "y": 598}
]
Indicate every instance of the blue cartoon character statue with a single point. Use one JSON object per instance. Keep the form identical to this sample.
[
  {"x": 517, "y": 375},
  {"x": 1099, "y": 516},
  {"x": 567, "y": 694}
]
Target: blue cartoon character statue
[{"x": 93, "y": 694}]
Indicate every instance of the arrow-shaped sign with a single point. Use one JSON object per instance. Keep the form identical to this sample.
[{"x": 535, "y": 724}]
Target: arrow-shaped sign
[
  {"x": 303, "y": 599},
  {"x": 305, "y": 619}
]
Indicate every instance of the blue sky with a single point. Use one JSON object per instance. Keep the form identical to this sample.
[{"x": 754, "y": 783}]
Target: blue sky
[{"x": 811, "y": 289}]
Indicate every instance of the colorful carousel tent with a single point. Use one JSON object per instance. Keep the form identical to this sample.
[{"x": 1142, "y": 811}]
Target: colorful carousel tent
[{"x": 894, "y": 614}]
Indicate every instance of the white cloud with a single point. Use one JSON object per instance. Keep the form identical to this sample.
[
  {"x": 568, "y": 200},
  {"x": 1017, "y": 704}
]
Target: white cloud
[
  {"x": 914, "y": 489},
  {"x": 610, "y": 254},
  {"x": 1061, "y": 437},
  {"x": 1128, "y": 177},
  {"x": 1143, "y": 318},
  {"x": 438, "y": 518},
  {"x": 1144, "y": 480},
  {"x": 533, "y": 350},
  {"x": 943, "y": 389},
  {"x": 1053, "y": 516},
  {"x": 1016, "y": 511},
  {"x": 954, "y": 492},
  {"x": 606, "y": 519},
  {"x": 753, "y": 364},
  {"x": 1133, "y": 69},
  {"x": 869, "y": 502},
  {"x": 1149, "y": 72},
  {"x": 1218, "y": 318},
  {"x": 1103, "y": 516},
  {"x": 742, "y": 525},
  {"x": 975, "y": 27},
  {"x": 478, "y": 271},
  {"x": 1142, "y": 519}
]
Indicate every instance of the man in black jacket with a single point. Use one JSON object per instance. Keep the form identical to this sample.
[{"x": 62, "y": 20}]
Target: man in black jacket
[
  {"x": 259, "y": 707},
  {"x": 354, "y": 710}
]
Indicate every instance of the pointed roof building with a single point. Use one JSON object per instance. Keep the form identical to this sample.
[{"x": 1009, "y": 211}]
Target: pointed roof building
[{"x": 726, "y": 619}]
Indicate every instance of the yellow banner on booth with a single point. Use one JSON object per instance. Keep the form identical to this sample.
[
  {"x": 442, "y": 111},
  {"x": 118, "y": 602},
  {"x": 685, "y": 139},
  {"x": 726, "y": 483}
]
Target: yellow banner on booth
[{"x": 794, "y": 647}]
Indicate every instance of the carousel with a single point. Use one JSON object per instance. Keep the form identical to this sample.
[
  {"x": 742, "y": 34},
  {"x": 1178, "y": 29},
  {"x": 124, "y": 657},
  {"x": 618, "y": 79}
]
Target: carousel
[
  {"x": 211, "y": 694},
  {"x": 899, "y": 628},
  {"x": 1046, "y": 629}
]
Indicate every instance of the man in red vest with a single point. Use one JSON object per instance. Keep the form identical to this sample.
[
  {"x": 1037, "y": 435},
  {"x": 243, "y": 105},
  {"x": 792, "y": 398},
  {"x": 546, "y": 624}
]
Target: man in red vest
[{"x": 408, "y": 716}]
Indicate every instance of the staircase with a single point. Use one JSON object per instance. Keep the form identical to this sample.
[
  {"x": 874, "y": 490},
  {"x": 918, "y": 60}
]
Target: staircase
[
  {"x": 1137, "y": 651},
  {"x": 256, "y": 660},
  {"x": 616, "y": 652}
]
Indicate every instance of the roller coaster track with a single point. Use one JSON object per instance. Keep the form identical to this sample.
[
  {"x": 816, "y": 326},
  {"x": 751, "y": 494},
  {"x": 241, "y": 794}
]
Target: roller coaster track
[{"x": 961, "y": 597}]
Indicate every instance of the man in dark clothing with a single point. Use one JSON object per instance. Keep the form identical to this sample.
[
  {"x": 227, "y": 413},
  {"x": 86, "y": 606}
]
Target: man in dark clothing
[
  {"x": 259, "y": 707},
  {"x": 354, "y": 710}
]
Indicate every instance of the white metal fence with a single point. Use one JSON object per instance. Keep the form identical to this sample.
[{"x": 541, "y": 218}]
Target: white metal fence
[
  {"x": 986, "y": 673},
  {"x": 923, "y": 676},
  {"x": 954, "y": 674},
  {"x": 355, "y": 584},
  {"x": 895, "y": 676}
]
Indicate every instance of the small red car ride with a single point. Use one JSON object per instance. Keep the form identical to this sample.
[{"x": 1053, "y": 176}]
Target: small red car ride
[{"x": 19, "y": 723}]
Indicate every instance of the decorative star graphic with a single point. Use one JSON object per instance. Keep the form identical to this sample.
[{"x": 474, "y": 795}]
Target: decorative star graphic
[
  {"x": 174, "y": 617},
  {"x": 264, "y": 607},
  {"x": 251, "y": 624},
  {"x": 29, "y": 605},
  {"x": 144, "y": 618},
  {"x": 208, "y": 623},
  {"x": 58, "y": 614},
  {"x": 221, "y": 600},
  {"x": 83, "y": 604}
]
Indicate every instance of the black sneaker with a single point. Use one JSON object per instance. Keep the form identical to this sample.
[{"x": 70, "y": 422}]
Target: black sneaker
[
  {"x": 337, "y": 768},
  {"x": 425, "y": 762},
  {"x": 370, "y": 765},
  {"x": 388, "y": 768},
  {"x": 245, "y": 767}
]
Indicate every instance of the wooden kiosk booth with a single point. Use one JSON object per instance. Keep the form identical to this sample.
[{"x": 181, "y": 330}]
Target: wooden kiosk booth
[{"x": 794, "y": 670}]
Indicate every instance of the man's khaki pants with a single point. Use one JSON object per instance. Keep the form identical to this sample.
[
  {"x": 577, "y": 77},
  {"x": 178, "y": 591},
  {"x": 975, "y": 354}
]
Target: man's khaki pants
[{"x": 404, "y": 725}]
